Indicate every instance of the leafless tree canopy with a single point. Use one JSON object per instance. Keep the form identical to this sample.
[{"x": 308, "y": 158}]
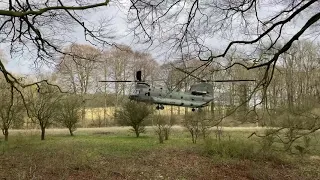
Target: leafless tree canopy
[
  {"x": 40, "y": 29},
  {"x": 184, "y": 27},
  {"x": 260, "y": 28}
]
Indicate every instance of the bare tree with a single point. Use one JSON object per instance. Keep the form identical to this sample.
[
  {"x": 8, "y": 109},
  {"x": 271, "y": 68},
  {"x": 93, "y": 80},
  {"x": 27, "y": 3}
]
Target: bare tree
[
  {"x": 12, "y": 110},
  {"x": 198, "y": 124},
  {"x": 69, "y": 112},
  {"x": 124, "y": 62},
  {"x": 40, "y": 29},
  {"x": 43, "y": 106},
  {"x": 163, "y": 126},
  {"x": 134, "y": 114},
  {"x": 292, "y": 104},
  {"x": 159, "y": 129},
  {"x": 105, "y": 68},
  {"x": 77, "y": 71},
  {"x": 78, "y": 68},
  {"x": 148, "y": 65},
  {"x": 120, "y": 62}
]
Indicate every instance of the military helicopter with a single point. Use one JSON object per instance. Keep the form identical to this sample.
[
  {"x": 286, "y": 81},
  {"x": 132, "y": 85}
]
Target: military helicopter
[{"x": 199, "y": 95}]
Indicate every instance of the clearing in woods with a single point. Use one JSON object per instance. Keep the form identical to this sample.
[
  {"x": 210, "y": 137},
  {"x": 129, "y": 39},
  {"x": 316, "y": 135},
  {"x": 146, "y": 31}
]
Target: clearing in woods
[{"x": 114, "y": 153}]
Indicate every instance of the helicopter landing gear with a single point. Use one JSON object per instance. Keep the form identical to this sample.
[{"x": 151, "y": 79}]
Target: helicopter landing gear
[
  {"x": 159, "y": 107},
  {"x": 199, "y": 109}
]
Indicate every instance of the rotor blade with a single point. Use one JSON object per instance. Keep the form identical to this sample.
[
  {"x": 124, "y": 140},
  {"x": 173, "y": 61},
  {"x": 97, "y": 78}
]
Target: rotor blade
[
  {"x": 188, "y": 73},
  {"x": 232, "y": 80},
  {"x": 153, "y": 80},
  {"x": 118, "y": 81}
]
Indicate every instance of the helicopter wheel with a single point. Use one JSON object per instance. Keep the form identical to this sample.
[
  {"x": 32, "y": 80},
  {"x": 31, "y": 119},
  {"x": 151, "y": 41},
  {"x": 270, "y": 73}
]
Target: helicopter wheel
[{"x": 159, "y": 107}]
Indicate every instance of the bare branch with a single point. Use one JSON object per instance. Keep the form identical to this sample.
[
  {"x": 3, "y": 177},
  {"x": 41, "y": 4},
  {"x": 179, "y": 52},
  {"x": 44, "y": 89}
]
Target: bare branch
[{"x": 43, "y": 10}]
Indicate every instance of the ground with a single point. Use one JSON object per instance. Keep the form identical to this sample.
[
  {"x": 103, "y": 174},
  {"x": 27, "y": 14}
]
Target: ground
[{"x": 114, "y": 153}]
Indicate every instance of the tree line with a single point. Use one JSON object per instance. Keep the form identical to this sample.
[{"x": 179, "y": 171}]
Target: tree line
[
  {"x": 44, "y": 105},
  {"x": 291, "y": 99}
]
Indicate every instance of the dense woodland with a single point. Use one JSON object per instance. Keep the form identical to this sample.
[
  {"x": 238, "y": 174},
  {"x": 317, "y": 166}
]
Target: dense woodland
[{"x": 290, "y": 100}]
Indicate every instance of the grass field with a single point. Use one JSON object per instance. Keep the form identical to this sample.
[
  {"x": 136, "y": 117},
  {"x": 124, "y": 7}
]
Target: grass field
[{"x": 114, "y": 153}]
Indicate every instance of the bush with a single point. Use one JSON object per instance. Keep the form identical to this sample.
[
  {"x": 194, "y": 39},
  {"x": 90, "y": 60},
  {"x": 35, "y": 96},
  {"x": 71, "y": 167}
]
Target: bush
[
  {"x": 163, "y": 126},
  {"x": 243, "y": 149},
  {"x": 198, "y": 123},
  {"x": 230, "y": 148},
  {"x": 68, "y": 114},
  {"x": 134, "y": 114}
]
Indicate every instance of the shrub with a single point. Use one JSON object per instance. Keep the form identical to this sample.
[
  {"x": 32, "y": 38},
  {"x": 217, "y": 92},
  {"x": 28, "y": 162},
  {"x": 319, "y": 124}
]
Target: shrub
[
  {"x": 134, "y": 114},
  {"x": 69, "y": 115},
  {"x": 230, "y": 148}
]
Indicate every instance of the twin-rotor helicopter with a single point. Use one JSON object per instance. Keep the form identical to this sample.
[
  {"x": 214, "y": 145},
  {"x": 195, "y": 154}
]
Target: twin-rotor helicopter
[{"x": 199, "y": 95}]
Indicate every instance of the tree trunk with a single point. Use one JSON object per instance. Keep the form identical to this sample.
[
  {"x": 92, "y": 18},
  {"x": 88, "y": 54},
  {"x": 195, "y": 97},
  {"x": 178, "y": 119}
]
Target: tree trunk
[
  {"x": 204, "y": 133},
  {"x": 83, "y": 115},
  {"x": 105, "y": 96},
  {"x": 171, "y": 114},
  {"x": 193, "y": 136},
  {"x": 43, "y": 131},
  {"x": 160, "y": 138},
  {"x": 136, "y": 130},
  {"x": 71, "y": 132},
  {"x": 6, "y": 134},
  {"x": 166, "y": 133},
  {"x": 212, "y": 109}
]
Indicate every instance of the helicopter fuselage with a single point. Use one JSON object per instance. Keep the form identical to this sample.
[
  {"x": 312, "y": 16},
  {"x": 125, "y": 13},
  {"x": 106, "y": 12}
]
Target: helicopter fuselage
[
  {"x": 145, "y": 93},
  {"x": 200, "y": 95}
]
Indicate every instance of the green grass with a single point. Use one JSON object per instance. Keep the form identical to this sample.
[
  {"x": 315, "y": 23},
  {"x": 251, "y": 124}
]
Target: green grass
[
  {"x": 121, "y": 142},
  {"x": 91, "y": 143},
  {"x": 104, "y": 153}
]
